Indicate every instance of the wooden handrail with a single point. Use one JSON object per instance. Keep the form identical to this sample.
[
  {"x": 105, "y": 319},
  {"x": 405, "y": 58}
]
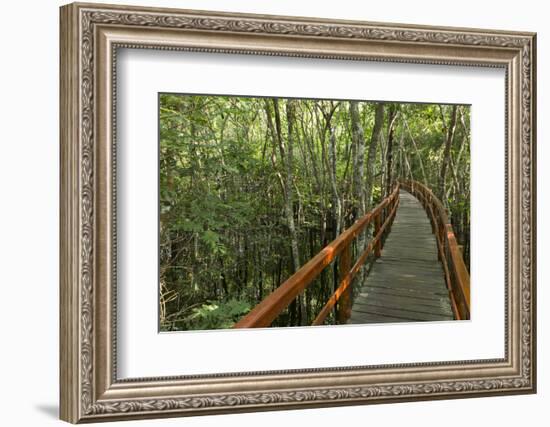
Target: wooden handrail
[
  {"x": 269, "y": 308},
  {"x": 457, "y": 277}
]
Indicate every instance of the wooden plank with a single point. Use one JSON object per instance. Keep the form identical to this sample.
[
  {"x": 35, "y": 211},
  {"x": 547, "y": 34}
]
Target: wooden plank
[
  {"x": 414, "y": 294},
  {"x": 410, "y": 269},
  {"x": 400, "y": 313},
  {"x": 363, "y": 318},
  {"x": 440, "y": 304},
  {"x": 412, "y": 279},
  {"x": 396, "y": 306}
]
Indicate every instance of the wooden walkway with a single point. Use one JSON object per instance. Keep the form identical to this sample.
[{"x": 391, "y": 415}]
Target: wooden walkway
[{"x": 406, "y": 284}]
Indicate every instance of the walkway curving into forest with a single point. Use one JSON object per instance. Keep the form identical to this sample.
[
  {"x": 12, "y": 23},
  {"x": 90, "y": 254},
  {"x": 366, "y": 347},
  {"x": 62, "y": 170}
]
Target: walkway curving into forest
[
  {"x": 273, "y": 210},
  {"x": 407, "y": 283},
  {"x": 418, "y": 273}
]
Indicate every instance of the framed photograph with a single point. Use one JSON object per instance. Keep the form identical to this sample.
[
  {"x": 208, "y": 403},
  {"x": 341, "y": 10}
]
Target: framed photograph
[{"x": 266, "y": 212}]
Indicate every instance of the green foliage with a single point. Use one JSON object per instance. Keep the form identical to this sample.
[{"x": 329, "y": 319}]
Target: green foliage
[
  {"x": 217, "y": 315},
  {"x": 377, "y": 193}
]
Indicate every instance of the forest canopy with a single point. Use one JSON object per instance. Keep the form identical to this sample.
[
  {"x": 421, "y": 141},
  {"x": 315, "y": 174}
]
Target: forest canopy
[{"x": 252, "y": 188}]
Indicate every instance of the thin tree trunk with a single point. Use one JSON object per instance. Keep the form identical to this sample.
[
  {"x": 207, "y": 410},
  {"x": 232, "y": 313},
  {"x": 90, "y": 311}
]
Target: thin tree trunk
[
  {"x": 358, "y": 138},
  {"x": 382, "y": 160},
  {"x": 369, "y": 179},
  {"x": 289, "y": 190},
  {"x": 261, "y": 276},
  {"x": 404, "y": 156},
  {"x": 389, "y": 150},
  {"x": 336, "y": 205},
  {"x": 289, "y": 199},
  {"x": 446, "y": 154}
]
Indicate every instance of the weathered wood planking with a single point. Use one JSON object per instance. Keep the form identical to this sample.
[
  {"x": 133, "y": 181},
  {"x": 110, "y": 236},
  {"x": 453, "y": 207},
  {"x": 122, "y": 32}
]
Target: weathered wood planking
[{"x": 407, "y": 283}]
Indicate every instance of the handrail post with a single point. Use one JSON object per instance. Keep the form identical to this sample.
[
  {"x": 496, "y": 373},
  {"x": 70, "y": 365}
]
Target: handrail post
[
  {"x": 442, "y": 232},
  {"x": 344, "y": 303},
  {"x": 394, "y": 203},
  {"x": 378, "y": 245}
]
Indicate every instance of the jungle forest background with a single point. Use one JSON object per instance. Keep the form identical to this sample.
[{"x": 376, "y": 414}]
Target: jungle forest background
[{"x": 252, "y": 188}]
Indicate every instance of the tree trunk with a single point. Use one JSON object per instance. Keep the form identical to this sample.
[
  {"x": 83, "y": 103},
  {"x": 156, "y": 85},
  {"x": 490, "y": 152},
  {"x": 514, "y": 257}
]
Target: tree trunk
[
  {"x": 358, "y": 138},
  {"x": 336, "y": 205},
  {"x": 371, "y": 156},
  {"x": 289, "y": 199},
  {"x": 405, "y": 162},
  {"x": 446, "y": 154},
  {"x": 389, "y": 151}
]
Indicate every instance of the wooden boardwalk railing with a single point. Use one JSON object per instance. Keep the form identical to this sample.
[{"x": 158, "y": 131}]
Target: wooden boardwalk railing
[
  {"x": 267, "y": 310},
  {"x": 457, "y": 277}
]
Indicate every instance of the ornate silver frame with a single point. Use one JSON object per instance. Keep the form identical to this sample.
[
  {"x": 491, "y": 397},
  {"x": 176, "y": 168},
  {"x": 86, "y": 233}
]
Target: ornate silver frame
[{"x": 90, "y": 35}]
